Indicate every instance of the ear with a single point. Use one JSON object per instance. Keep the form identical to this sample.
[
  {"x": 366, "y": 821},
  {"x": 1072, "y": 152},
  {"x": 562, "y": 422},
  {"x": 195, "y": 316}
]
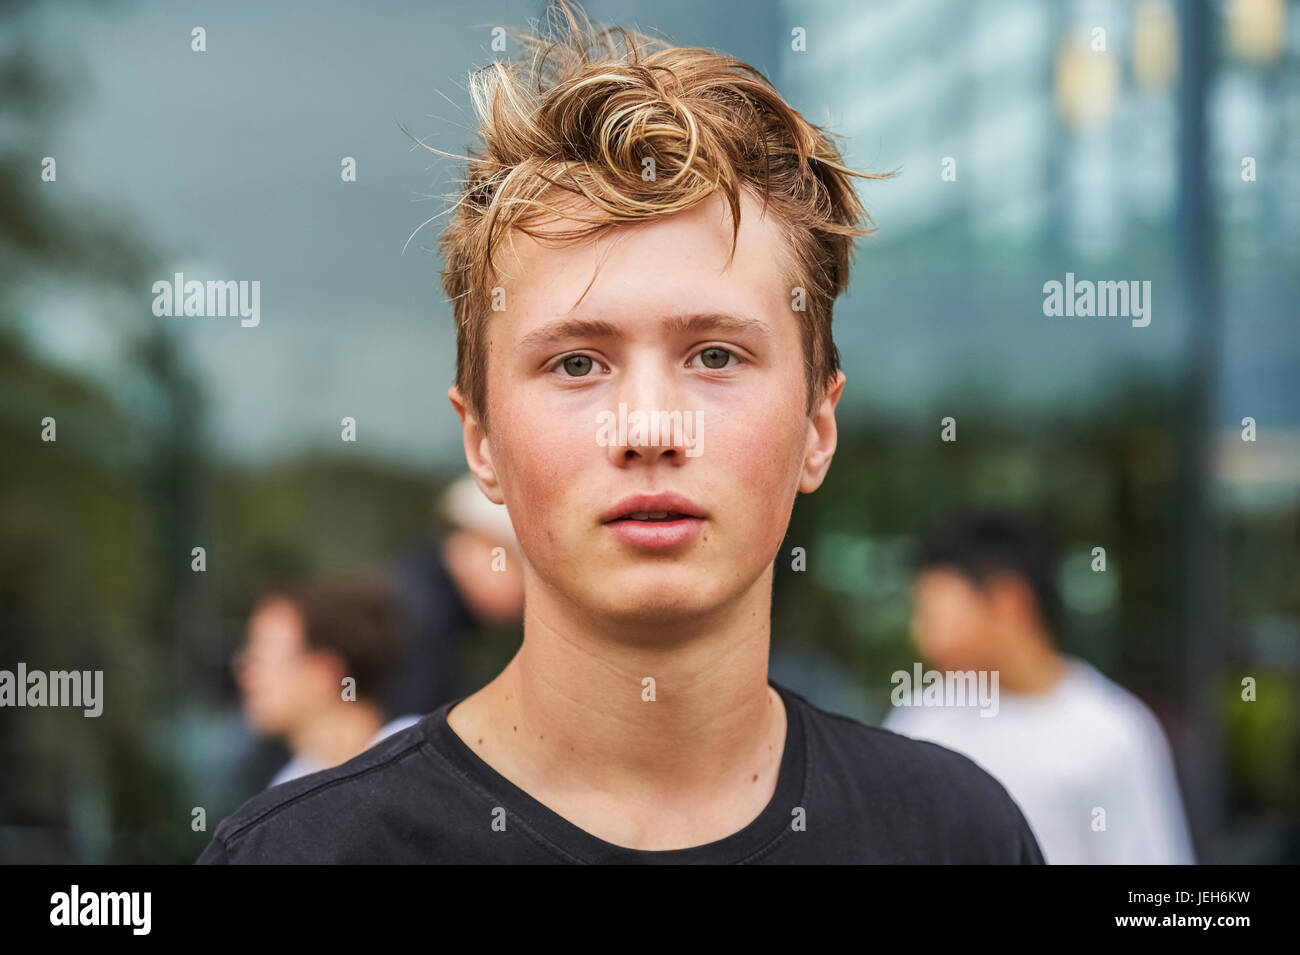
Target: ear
[
  {"x": 329, "y": 667},
  {"x": 822, "y": 436},
  {"x": 478, "y": 453},
  {"x": 1012, "y": 598}
]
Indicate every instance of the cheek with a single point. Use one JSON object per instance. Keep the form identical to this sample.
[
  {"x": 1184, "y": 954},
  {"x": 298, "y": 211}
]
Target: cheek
[
  {"x": 956, "y": 636},
  {"x": 938, "y": 627},
  {"x": 763, "y": 448},
  {"x": 270, "y": 684},
  {"x": 541, "y": 461},
  {"x": 261, "y": 674}
]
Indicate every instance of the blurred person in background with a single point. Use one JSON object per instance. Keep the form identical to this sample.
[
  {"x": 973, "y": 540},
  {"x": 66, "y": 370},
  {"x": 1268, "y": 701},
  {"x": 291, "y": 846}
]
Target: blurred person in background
[
  {"x": 301, "y": 645},
  {"x": 451, "y": 585},
  {"x": 1064, "y": 740}
]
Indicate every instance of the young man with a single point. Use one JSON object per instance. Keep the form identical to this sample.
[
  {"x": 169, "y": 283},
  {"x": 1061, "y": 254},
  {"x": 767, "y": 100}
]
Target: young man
[
  {"x": 1065, "y": 741},
  {"x": 301, "y": 646},
  {"x": 644, "y": 233}
]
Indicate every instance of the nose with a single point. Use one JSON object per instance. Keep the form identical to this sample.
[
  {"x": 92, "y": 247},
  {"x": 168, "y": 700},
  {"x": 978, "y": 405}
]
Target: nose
[{"x": 649, "y": 423}]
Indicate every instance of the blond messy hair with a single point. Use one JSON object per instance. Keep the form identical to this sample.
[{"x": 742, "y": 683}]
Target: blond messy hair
[{"x": 573, "y": 118}]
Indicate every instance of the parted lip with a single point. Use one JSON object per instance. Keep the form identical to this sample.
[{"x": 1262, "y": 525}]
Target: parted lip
[{"x": 652, "y": 502}]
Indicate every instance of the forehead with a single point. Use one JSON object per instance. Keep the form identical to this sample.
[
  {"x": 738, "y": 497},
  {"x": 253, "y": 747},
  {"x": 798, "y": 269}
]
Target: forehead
[
  {"x": 665, "y": 266},
  {"x": 944, "y": 583},
  {"x": 275, "y": 621}
]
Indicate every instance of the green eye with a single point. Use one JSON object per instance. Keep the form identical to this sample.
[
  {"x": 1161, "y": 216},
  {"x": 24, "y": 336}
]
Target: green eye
[
  {"x": 715, "y": 357},
  {"x": 577, "y": 365}
]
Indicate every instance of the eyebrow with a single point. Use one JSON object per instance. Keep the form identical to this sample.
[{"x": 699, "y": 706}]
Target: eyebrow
[{"x": 678, "y": 324}]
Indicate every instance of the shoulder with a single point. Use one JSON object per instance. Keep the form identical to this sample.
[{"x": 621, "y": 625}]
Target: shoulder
[
  {"x": 926, "y": 792},
  {"x": 1117, "y": 719},
  {"x": 854, "y": 746},
  {"x": 347, "y": 813}
]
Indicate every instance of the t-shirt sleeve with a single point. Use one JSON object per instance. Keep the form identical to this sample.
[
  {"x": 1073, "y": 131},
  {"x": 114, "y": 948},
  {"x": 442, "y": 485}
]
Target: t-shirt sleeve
[
  {"x": 1154, "y": 828},
  {"x": 1010, "y": 839},
  {"x": 896, "y": 720},
  {"x": 1025, "y": 848},
  {"x": 214, "y": 854},
  {"x": 975, "y": 819}
]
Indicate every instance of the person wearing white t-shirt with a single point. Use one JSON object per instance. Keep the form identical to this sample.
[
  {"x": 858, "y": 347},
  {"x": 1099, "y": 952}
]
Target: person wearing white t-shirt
[
  {"x": 1086, "y": 760},
  {"x": 316, "y": 667}
]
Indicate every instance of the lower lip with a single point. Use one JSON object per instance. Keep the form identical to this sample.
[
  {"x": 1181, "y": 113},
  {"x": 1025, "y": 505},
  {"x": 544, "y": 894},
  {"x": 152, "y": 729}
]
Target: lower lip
[{"x": 657, "y": 534}]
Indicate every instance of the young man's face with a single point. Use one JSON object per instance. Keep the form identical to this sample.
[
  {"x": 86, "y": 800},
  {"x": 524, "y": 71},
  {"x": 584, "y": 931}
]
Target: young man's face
[
  {"x": 281, "y": 680},
  {"x": 641, "y": 337},
  {"x": 958, "y": 624},
  {"x": 952, "y": 622}
]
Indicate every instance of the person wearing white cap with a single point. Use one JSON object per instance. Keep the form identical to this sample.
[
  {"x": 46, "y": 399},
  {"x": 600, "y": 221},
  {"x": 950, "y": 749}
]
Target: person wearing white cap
[{"x": 453, "y": 584}]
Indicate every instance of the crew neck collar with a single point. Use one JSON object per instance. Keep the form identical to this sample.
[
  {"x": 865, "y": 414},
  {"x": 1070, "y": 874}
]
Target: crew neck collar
[{"x": 574, "y": 844}]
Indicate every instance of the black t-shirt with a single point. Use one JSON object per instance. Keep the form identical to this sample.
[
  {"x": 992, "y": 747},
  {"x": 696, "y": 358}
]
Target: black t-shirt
[{"x": 846, "y": 793}]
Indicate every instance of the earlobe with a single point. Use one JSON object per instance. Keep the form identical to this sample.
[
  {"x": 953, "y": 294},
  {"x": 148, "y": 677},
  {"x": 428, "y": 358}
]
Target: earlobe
[{"x": 478, "y": 453}]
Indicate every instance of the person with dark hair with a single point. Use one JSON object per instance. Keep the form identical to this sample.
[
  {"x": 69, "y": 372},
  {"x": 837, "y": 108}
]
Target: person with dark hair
[
  {"x": 1086, "y": 760},
  {"x": 317, "y": 665}
]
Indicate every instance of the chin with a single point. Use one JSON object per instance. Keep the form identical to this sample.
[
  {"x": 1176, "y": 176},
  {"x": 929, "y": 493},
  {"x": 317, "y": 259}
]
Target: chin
[
  {"x": 660, "y": 594},
  {"x": 657, "y": 608}
]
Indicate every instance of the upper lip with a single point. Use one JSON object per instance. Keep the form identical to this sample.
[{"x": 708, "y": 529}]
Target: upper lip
[{"x": 652, "y": 502}]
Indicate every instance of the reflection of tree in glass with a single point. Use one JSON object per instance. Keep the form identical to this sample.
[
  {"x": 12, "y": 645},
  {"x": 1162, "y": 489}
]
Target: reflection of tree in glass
[{"x": 89, "y": 523}]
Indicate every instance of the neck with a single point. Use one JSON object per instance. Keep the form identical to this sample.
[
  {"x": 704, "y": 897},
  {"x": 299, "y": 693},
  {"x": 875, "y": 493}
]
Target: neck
[
  {"x": 337, "y": 733},
  {"x": 1035, "y": 667},
  {"x": 574, "y": 714}
]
